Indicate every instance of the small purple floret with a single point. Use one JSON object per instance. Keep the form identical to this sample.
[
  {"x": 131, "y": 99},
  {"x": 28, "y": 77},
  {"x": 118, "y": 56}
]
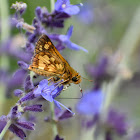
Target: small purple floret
[
  {"x": 26, "y": 125},
  {"x": 34, "y": 108},
  {"x": 16, "y": 130}
]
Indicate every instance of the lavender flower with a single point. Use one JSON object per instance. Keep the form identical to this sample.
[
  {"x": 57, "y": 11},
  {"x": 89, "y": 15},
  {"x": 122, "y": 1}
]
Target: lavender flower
[
  {"x": 91, "y": 103},
  {"x": 18, "y": 92},
  {"x": 117, "y": 122},
  {"x": 34, "y": 108},
  {"x": 86, "y": 14},
  {"x": 62, "y": 115},
  {"x": 63, "y": 10},
  {"x": 26, "y": 125},
  {"x": 28, "y": 85},
  {"x": 16, "y": 130},
  {"x": 49, "y": 92},
  {"x": 23, "y": 65},
  {"x": 58, "y": 138},
  {"x": 66, "y": 40},
  {"x": 64, "y": 6},
  {"x": 19, "y": 7}
]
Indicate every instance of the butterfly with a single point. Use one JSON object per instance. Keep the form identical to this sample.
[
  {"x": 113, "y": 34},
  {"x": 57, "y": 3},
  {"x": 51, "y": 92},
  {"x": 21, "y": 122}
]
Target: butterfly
[{"x": 47, "y": 61}]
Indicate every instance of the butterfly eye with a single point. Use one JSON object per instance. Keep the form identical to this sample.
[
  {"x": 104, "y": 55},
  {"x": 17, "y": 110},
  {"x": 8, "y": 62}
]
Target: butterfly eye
[{"x": 74, "y": 79}]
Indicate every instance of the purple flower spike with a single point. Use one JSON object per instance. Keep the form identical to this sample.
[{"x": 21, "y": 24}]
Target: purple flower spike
[
  {"x": 26, "y": 125},
  {"x": 16, "y": 130},
  {"x": 66, "y": 40},
  {"x": 28, "y": 85},
  {"x": 86, "y": 14},
  {"x": 2, "y": 125},
  {"x": 38, "y": 12},
  {"x": 58, "y": 138},
  {"x": 17, "y": 79},
  {"x": 18, "y": 92},
  {"x": 30, "y": 47},
  {"x": 91, "y": 103},
  {"x": 27, "y": 97},
  {"x": 64, "y": 6},
  {"x": 19, "y": 6},
  {"x": 23, "y": 65},
  {"x": 117, "y": 122},
  {"x": 34, "y": 108},
  {"x": 3, "y": 121}
]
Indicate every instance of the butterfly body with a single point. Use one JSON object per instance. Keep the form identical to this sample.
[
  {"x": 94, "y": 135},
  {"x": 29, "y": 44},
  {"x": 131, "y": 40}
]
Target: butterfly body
[{"x": 47, "y": 61}]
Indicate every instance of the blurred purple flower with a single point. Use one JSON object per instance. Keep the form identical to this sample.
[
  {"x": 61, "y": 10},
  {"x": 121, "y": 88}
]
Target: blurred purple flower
[
  {"x": 66, "y": 40},
  {"x": 135, "y": 136},
  {"x": 18, "y": 92},
  {"x": 86, "y": 14},
  {"x": 64, "y": 6},
  {"x": 19, "y": 7},
  {"x": 23, "y": 65},
  {"x": 91, "y": 102},
  {"x": 17, "y": 79},
  {"x": 49, "y": 92},
  {"x": 100, "y": 72},
  {"x": 117, "y": 122},
  {"x": 93, "y": 121},
  {"x": 28, "y": 84},
  {"x": 63, "y": 114},
  {"x": 108, "y": 135},
  {"x": 13, "y": 48},
  {"x": 39, "y": 30},
  {"x": 29, "y": 47},
  {"x": 3, "y": 121},
  {"x": 58, "y": 138}
]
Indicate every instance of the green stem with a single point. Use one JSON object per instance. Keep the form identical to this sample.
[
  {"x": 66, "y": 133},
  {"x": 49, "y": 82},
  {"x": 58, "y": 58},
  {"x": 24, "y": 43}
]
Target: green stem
[
  {"x": 5, "y": 28},
  {"x": 5, "y": 31},
  {"x": 52, "y": 2},
  {"x": 5, "y": 129},
  {"x": 54, "y": 126}
]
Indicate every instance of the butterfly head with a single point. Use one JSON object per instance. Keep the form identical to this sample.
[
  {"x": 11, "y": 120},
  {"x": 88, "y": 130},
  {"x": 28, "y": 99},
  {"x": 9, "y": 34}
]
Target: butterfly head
[{"x": 76, "y": 79}]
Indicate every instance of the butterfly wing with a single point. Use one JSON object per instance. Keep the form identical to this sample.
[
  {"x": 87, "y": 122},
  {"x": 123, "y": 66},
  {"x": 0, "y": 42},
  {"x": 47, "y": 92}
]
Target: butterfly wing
[{"x": 47, "y": 61}]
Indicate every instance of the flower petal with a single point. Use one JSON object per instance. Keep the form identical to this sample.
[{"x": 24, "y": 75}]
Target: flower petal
[
  {"x": 69, "y": 32},
  {"x": 72, "y": 10}
]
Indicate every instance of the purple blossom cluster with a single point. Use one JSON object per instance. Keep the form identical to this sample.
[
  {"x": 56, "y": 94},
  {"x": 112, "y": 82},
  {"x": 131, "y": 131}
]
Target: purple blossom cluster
[{"x": 39, "y": 89}]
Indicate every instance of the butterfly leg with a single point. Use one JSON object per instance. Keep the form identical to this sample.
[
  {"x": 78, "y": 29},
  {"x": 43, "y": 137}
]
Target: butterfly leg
[
  {"x": 50, "y": 80},
  {"x": 65, "y": 88},
  {"x": 60, "y": 84}
]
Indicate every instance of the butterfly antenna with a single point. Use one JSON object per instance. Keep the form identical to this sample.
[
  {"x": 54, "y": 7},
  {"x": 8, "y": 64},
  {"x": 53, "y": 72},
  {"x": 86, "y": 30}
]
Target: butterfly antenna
[
  {"x": 87, "y": 79},
  {"x": 81, "y": 91}
]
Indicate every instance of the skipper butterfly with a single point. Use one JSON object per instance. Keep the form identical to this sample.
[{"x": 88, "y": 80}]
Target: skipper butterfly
[{"x": 47, "y": 61}]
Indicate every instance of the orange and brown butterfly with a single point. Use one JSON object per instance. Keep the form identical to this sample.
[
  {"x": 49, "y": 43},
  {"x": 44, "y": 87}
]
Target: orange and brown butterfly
[{"x": 47, "y": 61}]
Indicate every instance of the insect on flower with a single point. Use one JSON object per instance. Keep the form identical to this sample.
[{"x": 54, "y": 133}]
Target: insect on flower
[{"x": 47, "y": 61}]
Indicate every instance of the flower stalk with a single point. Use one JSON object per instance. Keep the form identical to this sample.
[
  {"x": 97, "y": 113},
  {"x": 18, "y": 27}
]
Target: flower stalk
[{"x": 5, "y": 129}]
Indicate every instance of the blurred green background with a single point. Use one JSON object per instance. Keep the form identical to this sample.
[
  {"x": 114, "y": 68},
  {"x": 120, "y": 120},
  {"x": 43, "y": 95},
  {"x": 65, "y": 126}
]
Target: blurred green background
[{"x": 112, "y": 20}]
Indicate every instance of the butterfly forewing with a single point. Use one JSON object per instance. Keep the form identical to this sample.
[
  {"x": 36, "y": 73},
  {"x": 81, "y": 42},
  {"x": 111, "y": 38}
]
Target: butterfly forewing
[{"x": 46, "y": 60}]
